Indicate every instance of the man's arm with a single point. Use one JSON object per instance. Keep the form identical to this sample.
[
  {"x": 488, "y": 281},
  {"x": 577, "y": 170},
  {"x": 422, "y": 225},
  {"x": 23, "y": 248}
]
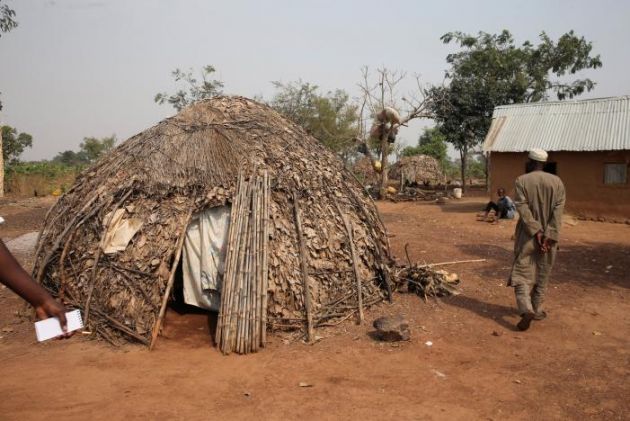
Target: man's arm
[
  {"x": 552, "y": 232},
  {"x": 532, "y": 226},
  {"x": 16, "y": 278}
]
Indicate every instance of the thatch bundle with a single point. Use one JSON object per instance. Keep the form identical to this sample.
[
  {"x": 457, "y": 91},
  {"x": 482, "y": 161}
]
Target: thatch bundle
[
  {"x": 317, "y": 227},
  {"x": 417, "y": 169}
]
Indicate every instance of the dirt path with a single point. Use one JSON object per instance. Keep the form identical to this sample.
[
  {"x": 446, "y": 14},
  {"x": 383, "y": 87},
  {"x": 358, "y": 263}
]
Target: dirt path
[{"x": 574, "y": 365}]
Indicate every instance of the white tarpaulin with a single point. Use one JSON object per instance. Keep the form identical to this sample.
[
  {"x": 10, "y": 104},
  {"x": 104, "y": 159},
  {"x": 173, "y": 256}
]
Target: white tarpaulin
[{"x": 203, "y": 257}]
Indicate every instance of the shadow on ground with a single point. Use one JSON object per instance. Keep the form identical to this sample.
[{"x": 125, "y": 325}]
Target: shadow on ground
[
  {"x": 587, "y": 264},
  {"x": 495, "y": 312}
]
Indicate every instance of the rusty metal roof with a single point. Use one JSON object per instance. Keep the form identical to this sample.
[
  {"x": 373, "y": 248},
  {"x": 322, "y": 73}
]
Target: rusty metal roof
[{"x": 600, "y": 124}]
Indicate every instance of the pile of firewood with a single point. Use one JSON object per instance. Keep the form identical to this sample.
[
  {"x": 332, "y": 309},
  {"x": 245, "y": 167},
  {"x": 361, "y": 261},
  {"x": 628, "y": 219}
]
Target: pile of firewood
[{"x": 425, "y": 281}]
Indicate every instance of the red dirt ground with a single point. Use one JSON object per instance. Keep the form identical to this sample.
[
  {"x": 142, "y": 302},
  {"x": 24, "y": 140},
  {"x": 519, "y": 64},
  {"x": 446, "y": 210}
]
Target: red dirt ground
[{"x": 574, "y": 365}]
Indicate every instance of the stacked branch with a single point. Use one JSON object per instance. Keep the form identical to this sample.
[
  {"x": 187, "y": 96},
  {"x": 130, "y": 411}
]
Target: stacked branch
[{"x": 425, "y": 281}]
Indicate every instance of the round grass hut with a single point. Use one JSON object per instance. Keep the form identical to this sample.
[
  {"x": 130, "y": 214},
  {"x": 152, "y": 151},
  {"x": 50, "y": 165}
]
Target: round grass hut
[
  {"x": 418, "y": 169},
  {"x": 283, "y": 234}
]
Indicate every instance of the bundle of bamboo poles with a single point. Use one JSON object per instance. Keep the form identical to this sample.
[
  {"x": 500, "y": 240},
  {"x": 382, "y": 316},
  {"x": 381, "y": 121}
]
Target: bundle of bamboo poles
[{"x": 242, "y": 325}]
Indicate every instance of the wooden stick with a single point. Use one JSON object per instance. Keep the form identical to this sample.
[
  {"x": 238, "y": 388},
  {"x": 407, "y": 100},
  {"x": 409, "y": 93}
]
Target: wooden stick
[
  {"x": 62, "y": 236},
  {"x": 242, "y": 272},
  {"x": 357, "y": 274},
  {"x": 240, "y": 245},
  {"x": 231, "y": 300},
  {"x": 265, "y": 279},
  {"x": 226, "y": 289},
  {"x": 171, "y": 280},
  {"x": 454, "y": 262},
  {"x": 304, "y": 266},
  {"x": 62, "y": 269},
  {"x": 232, "y": 271}
]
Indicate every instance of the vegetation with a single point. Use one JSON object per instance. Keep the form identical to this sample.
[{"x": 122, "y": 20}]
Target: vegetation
[
  {"x": 491, "y": 70},
  {"x": 89, "y": 151},
  {"x": 431, "y": 142},
  {"x": 329, "y": 117},
  {"x": 7, "y": 23},
  {"x": 13, "y": 144},
  {"x": 195, "y": 90}
]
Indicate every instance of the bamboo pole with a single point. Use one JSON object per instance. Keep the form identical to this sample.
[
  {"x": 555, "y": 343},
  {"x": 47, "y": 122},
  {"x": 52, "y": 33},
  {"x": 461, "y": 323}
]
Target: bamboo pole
[
  {"x": 265, "y": 278},
  {"x": 226, "y": 290},
  {"x": 171, "y": 280},
  {"x": 242, "y": 273},
  {"x": 304, "y": 267},
  {"x": 232, "y": 299}
]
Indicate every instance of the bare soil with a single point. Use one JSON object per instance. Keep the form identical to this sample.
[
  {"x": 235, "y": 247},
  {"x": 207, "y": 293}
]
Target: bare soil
[{"x": 573, "y": 365}]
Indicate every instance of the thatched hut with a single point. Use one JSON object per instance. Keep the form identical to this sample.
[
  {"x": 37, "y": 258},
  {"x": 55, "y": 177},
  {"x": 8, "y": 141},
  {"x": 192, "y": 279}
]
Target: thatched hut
[
  {"x": 364, "y": 169},
  {"x": 278, "y": 210},
  {"x": 417, "y": 169}
]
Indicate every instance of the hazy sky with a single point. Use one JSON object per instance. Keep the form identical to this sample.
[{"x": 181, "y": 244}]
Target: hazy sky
[{"x": 76, "y": 68}]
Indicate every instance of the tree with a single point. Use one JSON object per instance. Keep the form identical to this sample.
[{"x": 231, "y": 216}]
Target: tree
[
  {"x": 331, "y": 117},
  {"x": 92, "y": 148},
  {"x": 13, "y": 144},
  {"x": 491, "y": 70},
  {"x": 381, "y": 104},
  {"x": 71, "y": 158},
  {"x": 7, "y": 23},
  {"x": 461, "y": 118},
  {"x": 431, "y": 142},
  {"x": 195, "y": 89}
]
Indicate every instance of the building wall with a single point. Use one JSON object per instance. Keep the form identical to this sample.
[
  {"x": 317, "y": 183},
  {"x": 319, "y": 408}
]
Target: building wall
[{"x": 583, "y": 177}]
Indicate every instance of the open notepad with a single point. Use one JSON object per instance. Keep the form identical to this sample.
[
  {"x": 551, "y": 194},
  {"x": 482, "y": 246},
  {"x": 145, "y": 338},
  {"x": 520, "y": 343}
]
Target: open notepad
[{"x": 51, "y": 328}]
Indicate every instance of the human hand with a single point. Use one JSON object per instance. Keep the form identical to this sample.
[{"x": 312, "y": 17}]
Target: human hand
[
  {"x": 540, "y": 240},
  {"x": 548, "y": 243},
  {"x": 50, "y": 307}
]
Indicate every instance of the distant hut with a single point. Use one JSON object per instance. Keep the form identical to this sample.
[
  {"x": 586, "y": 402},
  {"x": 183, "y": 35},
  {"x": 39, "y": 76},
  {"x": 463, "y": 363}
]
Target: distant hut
[
  {"x": 417, "y": 169},
  {"x": 287, "y": 236},
  {"x": 364, "y": 170}
]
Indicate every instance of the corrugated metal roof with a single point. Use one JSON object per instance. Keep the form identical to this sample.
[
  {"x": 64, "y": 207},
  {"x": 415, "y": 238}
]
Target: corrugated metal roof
[{"x": 585, "y": 125}]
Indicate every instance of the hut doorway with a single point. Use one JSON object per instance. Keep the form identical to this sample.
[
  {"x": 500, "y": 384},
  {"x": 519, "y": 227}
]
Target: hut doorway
[
  {"x": 203, "y": 258},
  {"x": 199, "y": 279}
]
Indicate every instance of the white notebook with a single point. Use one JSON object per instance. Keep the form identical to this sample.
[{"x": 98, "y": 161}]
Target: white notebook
[{"x": 51, "y": 328}]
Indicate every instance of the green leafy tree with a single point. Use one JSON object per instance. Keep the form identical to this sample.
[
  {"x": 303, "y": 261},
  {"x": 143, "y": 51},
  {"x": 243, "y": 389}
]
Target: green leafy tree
[
  {"x": 92, "y": 148},
  {"x": 71, "y": 158},
  {"x": 331, "y": 117},
  {"x": 7, "y": 18},
  {"x": 195, "y": 89},
  {"x": 491, "y": 70},
  {"x": 431, "y": 142},
  {"x": 7, "y": 23},
  {"x": 14, "y": 143}
]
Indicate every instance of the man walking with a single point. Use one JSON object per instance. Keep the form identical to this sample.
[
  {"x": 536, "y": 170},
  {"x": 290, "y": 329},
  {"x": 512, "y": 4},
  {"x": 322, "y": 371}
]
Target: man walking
[{"x": 539, "y": 200}]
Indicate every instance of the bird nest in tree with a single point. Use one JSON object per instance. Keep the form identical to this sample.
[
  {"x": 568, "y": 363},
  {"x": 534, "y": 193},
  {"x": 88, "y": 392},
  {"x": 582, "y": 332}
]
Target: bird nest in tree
[{"x": 305, "y": 242}]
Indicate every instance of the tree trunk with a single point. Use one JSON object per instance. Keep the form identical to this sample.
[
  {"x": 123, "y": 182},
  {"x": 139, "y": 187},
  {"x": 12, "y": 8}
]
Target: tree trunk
[
  {"x": 1, "y": 166},
  {"x": 463, "y": 155},
  {"x": 384, "y": 164}
]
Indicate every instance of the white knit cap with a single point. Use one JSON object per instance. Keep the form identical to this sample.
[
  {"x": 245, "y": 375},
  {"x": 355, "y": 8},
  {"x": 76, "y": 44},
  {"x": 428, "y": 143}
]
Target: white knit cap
[{"x": 538, "y": 155}]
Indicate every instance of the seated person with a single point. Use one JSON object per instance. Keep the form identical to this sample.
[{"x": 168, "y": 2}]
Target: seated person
[{"x": 503, "y": 209}]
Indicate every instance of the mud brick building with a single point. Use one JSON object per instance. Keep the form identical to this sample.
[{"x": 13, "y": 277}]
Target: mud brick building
[{"x": 589, "y": 148}]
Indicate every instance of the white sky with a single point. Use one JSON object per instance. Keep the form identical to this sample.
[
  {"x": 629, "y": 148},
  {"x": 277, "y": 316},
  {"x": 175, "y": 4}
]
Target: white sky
[{"x": 76, "y": 68}]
